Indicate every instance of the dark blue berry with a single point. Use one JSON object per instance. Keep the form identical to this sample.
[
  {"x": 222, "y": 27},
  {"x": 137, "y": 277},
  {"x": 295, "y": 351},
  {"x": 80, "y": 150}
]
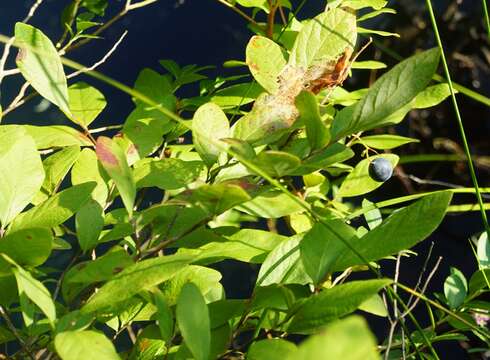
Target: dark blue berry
[{"x": 380, "y": 169}]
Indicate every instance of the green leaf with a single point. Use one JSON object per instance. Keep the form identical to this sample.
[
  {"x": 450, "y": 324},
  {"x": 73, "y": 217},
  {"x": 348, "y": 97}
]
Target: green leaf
[
  {"x": 384, "y": 142},
  {"x": 141, "y": 276},
  {"x": 164, "y": 317},
  {"x": 347, "y": 339},
  {"x": 56, "y": 210},
  {"x": 391, "y": 92},
  {"x": 273, "y": 349},
  {"x": 374, "y": 305},
  {"x": 283, "y": 265},
  {"x": 56, "y": 167},
  {"x": 217, "y": 198},
  {"x": 324, "y": 37},
  {"x": 101, "y": 269},
  {"x": 401, "y": 230},
  {"x": 321, "y": 159},
  {"x": 96, "y": 6},
  {"x": 51, "y": 136},
  {"x": 40, "y": 64},
  {"x": 483, "y": 250},
  {"x": 369, "y": 64},
  {"x": 359, "y": 182},
  {"x": 432, "y": 96},
  {"x": 86, "y": 103},
  {"x": 455, "y": 288},
  {"x": 331, "y": 304},
  {"x": 247, "y": 245},
  {"x": 83, "y": 345},
  {"x": 155, "y": 86},
  {"x": 21, "y": 172},
  {"x": 89, "y": 222},
  {"x": 373, "y": 217},
  {"x": 145, "y": 126},
  {"x": 209, "y": 125},
  {"x": 30, "y": 247},
  {"x": 166, "y": 174},
  {"x": 271, "y": 205},
  {"x": 193, "y": 319},
  {"x": 88, "y": 169},
  {"x": 34, "y": 290},
  {"x": 236, "y": 95},
  {"x": 265, "y": 60},
  {"x": 321, "y": 246},
  {"x": 316, "y": 131},
  {"x": 267, "y": 121},
  {"x": 206, "y": 279},
  {"x": 277, "y": 163},
  {"x": 113, "y": 159}
]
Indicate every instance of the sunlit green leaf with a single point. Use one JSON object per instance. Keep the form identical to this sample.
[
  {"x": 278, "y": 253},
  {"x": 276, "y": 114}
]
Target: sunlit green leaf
[
  {"x": 21, "y": 172},
  {"x": 209, "y": 125},
  {"x": 455, "y": 288},
  {"x": 40, "y": 64},
  {"x": 86, "y": 103},
  {"x": 83, "y": 345},
  {"x": 265, "y": 59}
]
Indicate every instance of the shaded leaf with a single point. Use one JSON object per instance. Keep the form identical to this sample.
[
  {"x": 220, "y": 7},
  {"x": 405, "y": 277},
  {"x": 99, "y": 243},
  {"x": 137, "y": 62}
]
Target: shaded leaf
[
  {"x": 193, "y": 319},
  {"x": 89, "y": 222},
  {"x": 331, "y": 304},
  {"x": 359, "y": 182},
  {"x": 401, "y": 230},
  {"x": 322, "y": 245},
  {"x": 30, "y": 247},
  {"x": 166, "y": 174},
  {"x": 316, "y": 131},
  {"x": 141, "y": 276}
]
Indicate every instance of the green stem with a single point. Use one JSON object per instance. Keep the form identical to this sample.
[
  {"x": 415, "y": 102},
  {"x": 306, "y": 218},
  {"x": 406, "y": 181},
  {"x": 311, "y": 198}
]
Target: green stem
[
  {"x": 459, "y": 119},
  {"x": 486, "y": 17}
]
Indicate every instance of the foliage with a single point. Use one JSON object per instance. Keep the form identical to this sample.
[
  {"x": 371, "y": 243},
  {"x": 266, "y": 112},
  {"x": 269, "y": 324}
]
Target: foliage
[{"x": 275, "y": 144}]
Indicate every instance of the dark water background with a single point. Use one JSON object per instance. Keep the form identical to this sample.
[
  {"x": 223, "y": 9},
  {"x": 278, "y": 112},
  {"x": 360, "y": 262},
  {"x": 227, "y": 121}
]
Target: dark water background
[{"x": 205, "y": 32}]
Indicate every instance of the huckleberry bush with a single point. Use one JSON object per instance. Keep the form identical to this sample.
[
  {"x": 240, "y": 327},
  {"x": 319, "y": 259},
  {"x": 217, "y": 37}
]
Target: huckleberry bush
[{"x": 268, "y": 167}]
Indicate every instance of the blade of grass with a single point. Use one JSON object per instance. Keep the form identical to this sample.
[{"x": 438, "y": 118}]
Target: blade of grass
[
  {"x": 458, "y": 117},
  {"x": 486, "y": 17}
]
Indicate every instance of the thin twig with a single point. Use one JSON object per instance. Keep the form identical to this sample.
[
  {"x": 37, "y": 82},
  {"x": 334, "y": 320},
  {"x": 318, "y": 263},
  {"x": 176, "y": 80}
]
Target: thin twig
[
  {"x": 101, "y": 61},
  {"x": 239, "y": 12},
  {"x": 5, "y": 316},
  {"x": 424, "y": 288}
]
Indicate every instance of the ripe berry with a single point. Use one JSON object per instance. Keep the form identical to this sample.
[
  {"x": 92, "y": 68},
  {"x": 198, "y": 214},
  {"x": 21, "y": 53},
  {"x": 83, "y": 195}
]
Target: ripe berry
[{"x": 380, "y": 169}]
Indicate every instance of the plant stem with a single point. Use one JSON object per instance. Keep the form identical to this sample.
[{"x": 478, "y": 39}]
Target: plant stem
[
  {"x": 459, "y": 119},
  {"x": 486, "y": 17}
]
